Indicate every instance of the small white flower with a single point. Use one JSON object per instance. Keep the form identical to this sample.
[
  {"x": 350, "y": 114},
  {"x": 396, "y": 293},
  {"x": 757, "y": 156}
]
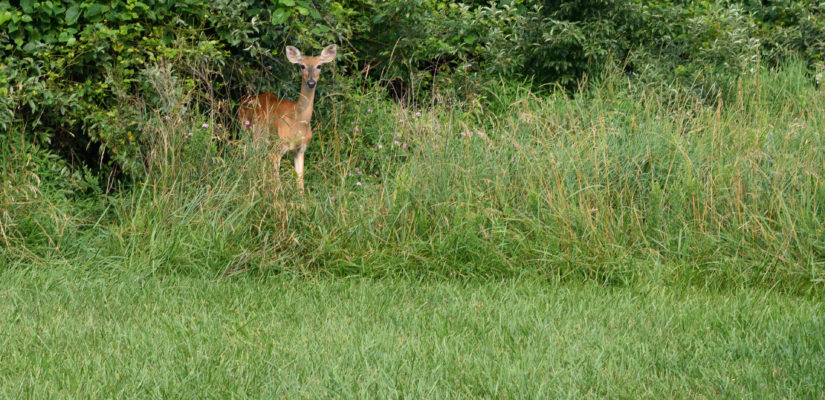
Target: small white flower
[{"x": 205, "y": 126}]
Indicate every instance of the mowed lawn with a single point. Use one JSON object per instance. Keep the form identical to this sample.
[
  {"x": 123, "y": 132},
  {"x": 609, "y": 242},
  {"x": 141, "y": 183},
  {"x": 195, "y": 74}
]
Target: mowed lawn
[{"x": 66, "y": 333}]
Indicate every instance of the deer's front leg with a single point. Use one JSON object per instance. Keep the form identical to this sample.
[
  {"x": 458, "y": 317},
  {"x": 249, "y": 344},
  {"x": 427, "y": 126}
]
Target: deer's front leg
[
  {"x": 276, "y": 162},
  {"x": 299, "y": 166}
]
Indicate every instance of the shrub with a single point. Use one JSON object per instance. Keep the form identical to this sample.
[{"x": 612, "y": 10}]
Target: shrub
[{"x": 76, "y": 68}]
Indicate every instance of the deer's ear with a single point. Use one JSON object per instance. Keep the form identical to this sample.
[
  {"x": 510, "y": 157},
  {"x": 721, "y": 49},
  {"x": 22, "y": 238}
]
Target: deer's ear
[
  {"x": 328, "y": 54},
  {"x": 293, "y": 55}
]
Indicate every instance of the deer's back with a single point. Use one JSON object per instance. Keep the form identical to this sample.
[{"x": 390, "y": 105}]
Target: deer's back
[{"x": 266, "y": 114}]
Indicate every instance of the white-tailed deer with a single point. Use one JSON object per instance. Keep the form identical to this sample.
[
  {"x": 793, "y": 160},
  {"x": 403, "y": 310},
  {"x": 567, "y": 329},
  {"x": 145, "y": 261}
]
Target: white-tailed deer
[{"x": 266, "y": 114}]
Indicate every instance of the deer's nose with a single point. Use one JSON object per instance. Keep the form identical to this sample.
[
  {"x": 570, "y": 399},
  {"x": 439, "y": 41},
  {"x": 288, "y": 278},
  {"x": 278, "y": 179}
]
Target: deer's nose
[{"x": 311, "y": 83}]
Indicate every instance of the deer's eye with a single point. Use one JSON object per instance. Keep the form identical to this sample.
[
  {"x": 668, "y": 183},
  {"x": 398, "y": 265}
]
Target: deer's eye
[{"x": 303, "y": 66}]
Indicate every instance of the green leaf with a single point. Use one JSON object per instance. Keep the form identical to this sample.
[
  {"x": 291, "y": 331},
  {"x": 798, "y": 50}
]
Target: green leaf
[
  {"x": 27, "y": 5},
  {"x": 319, "y": 29},
  {"x": 288, "y": 3},
  {"x": 30, "y": 47},
  {"x": 94, "y": 10},
  {"x": 72, "y": 14},
  {"x": 65, "y": 37},
  {"x": 280, "y": 16}
]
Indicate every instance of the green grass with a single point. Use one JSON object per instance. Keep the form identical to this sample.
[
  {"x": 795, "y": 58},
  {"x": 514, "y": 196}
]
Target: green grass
[
  {"x": 626, "y": 241},
  {"x": 617, "y": 184},
  {"x": 68, "y": 333}
]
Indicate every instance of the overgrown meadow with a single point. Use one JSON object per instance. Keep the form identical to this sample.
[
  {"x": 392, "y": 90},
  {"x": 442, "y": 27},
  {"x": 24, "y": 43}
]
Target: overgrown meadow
[
  {"x": 504, "y": 199},
  {"x": 619, "y": 183},
  {"x": 621, "y": 241}
]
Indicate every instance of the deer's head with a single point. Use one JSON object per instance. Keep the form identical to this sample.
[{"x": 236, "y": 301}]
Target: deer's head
[{"x": 310, "y": 66}]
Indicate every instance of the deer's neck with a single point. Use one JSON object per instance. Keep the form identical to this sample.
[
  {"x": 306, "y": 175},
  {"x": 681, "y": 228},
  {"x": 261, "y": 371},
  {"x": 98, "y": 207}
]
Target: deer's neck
[{"x": 303, "y": 112}]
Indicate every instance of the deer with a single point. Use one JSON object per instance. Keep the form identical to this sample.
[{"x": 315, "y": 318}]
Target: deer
[{"x": 268, "y": 115}]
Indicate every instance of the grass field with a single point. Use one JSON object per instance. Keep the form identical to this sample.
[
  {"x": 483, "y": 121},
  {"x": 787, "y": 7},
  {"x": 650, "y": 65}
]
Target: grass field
[
  {"x": 630, "y": 240},
  {"x": 68, "y": 333}
]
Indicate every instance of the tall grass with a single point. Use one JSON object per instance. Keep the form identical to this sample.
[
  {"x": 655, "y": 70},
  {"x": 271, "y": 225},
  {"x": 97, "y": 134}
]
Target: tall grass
[{"x": 616, "y": 183}]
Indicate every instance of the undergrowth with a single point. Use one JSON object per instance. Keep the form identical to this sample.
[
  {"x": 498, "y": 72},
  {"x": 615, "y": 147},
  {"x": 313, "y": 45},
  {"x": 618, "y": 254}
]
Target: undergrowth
[{"x": 617, "y": 183}]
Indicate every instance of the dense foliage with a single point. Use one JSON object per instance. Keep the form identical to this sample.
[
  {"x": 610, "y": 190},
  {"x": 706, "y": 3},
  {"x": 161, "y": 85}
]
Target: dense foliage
[{"x": 73, "y": 73}]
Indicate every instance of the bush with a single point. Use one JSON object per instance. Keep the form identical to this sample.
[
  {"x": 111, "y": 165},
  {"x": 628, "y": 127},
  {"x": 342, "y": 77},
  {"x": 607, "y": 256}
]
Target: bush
[{"x": 76, "y": 68}]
